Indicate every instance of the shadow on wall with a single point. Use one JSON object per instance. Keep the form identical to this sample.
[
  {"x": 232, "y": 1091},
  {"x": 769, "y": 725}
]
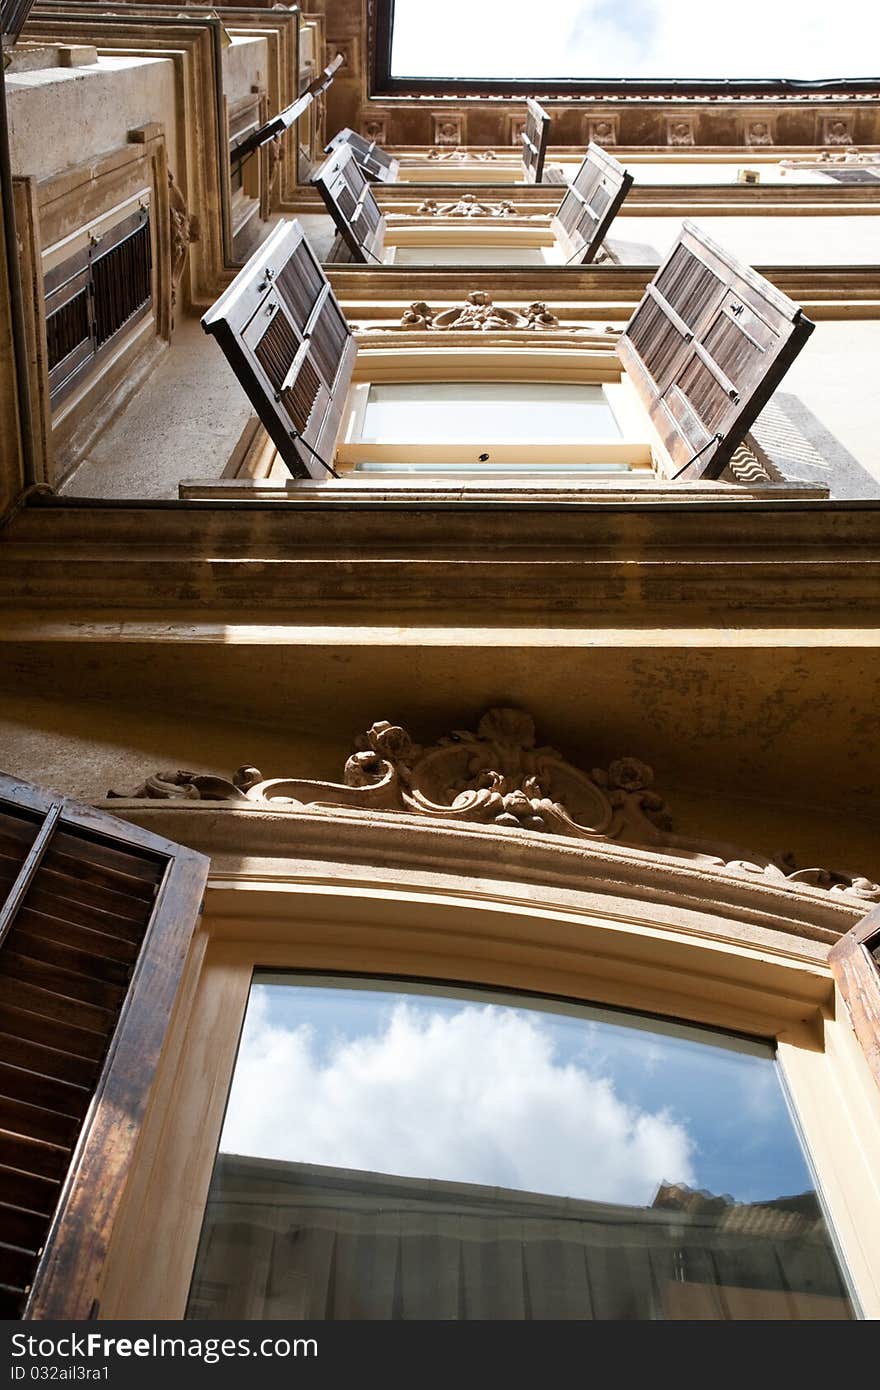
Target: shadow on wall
[{"x": 803, "y": 449}]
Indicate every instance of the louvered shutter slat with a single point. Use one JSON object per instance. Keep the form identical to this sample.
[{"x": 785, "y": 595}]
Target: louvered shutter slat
[
  {"x": 706, "y": 347},
  {"x": 82, "y": 1018},
  {"x": 350, "y": 201},
  {"x": 375, "y": 162},
  {"x": 590, "y": 205},
  {"x": 290, "y": 346}
]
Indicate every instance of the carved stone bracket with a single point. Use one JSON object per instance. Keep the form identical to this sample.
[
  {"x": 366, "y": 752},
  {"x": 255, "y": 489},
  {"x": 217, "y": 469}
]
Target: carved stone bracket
[
  {"x": 499, "y": 776},
  {"x": 478, "y": 313}
]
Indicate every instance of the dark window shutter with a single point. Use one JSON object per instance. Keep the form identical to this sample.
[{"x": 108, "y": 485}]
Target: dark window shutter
[
  {"x": 121, "y": 276},
  {"x": 706, "y": 348},
  {"x": 855, "y": 965},
  {"x": 534, "y": 141},
  {"x": 590, "y": 205},
  {"x": 96, "y": 917},
  {"x": 289, "y": 344},
  {"x": 373, "y": 161},
  {"x": 97, "y": 293},
  {"x": 351, "y": 204}
]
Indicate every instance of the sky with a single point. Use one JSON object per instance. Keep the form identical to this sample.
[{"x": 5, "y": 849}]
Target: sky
[
  {"x": 463, "y": 1090},
  {"x": 635, "y": 38}
]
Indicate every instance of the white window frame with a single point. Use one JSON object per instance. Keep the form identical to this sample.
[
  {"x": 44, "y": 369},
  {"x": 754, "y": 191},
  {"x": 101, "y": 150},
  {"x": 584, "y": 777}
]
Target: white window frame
[{"x": 631, "y": 447}]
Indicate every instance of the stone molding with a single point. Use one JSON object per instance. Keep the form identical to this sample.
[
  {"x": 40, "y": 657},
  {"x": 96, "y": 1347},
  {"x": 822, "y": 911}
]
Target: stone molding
[{"x": 498, "y": 778}]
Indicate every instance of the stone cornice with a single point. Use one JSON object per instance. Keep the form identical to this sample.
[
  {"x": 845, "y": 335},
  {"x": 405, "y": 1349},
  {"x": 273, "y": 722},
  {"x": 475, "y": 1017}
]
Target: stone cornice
[{"x": 625, "y": 558}]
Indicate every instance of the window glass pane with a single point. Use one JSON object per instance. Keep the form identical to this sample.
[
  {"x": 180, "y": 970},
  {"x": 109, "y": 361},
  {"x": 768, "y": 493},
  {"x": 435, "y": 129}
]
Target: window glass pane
[
  {"x": 469, "y": 255},
  {"x": 414, "y": 1151},
  {"x": 471, "y": 412}
]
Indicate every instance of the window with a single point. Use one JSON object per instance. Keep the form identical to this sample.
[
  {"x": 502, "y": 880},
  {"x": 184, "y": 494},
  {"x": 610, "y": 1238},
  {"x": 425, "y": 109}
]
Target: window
[
  {"x": 477, "y": 253},
  {"x": 706, "y": 347},
  {"x": 485, "y": 428},
  {"x": 395, "y": 1150}
]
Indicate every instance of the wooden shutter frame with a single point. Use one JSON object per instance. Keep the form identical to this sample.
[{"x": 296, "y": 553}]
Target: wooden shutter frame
[
  {"x": 342, "y": 167},
  {"x": 755, "y": 293},
  {"x": 608, "y": 170},
  {"x": 537, "y": 128},
  {"x": 382, "y": 172},
  {"x": 857, "y": 976},
  {"x": 69, "y": 1271},
  {"x": 229, "y": 319}
]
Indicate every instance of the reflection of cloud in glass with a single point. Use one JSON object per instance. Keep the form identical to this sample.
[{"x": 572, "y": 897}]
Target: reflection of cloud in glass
[
  {"x": 478, "y": 1095},
  {"x": 633, "y": 38}
]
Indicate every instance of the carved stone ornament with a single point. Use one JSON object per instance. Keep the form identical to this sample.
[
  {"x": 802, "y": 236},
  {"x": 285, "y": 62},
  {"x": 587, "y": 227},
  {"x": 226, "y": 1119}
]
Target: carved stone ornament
[
  {"x": 847, "y": 156},
  {"x": 759, "y": 132},
  {"x": 479, "y": 314},
  {"x": 461, "y": 156},
  {"x": 837, "y": 130},
  {"x": 184, "y": 230},
  {"x": 499, "y": 777},
  {"x": 448, "y": 129},
  {"x": 680, "y": 131},
  {"x": 603, "y": 130},
  {"x": 467, "y": 206}
]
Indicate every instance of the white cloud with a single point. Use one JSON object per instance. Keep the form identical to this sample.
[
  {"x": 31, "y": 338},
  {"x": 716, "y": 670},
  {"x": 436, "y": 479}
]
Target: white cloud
[
  {"x": 473, "y": 1096},
  {"x": 635, "y": 38}
]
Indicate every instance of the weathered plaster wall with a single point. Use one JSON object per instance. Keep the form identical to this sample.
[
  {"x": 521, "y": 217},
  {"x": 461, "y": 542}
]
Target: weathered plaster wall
[
  {"x": 60, "y": 117},
  {"x": 245, "y": 66},
  {"x": 773, "y": 239},
  {"x": 82, "y": 749}
]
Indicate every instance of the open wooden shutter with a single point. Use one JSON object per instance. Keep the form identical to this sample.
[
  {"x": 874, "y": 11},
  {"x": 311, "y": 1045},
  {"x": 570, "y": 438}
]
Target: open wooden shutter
[
  {"x": 855, "y": 965},
  {"x": 13, "y": 14},
  {"x": 96, "y": 917},
  {"x": 351, "y": 204},
  {"x": 373, "y": 161},
  {"x": 289, "y": 344},
  {"x": 590, "y": 205},
  {"x": 706, "y": 348},
  {"x": 534, "y": 141}
]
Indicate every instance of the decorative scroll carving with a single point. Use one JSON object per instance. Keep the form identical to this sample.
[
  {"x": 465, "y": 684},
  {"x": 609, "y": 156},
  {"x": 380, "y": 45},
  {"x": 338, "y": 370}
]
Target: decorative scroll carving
[
  {"x": 467, "y": 206},
  {"x": 478, "y": 313},
  {"x": 195, "y": 786},
  {"x": 498, "y": 776},
  {"x": 462, "y": 156},
  {"x": 184, "y": 230}
]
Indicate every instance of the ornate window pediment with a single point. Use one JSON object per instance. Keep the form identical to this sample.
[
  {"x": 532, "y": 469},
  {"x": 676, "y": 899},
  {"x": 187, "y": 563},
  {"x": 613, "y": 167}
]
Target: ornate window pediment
[{"x": 499, "y": 776}]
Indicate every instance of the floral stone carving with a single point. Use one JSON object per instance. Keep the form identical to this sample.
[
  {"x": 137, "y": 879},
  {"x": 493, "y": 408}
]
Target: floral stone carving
[
  {"x": 467, "y": 206},
  {"x": 499, "y": 777},
  {"x": 479, "y": 314}
]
